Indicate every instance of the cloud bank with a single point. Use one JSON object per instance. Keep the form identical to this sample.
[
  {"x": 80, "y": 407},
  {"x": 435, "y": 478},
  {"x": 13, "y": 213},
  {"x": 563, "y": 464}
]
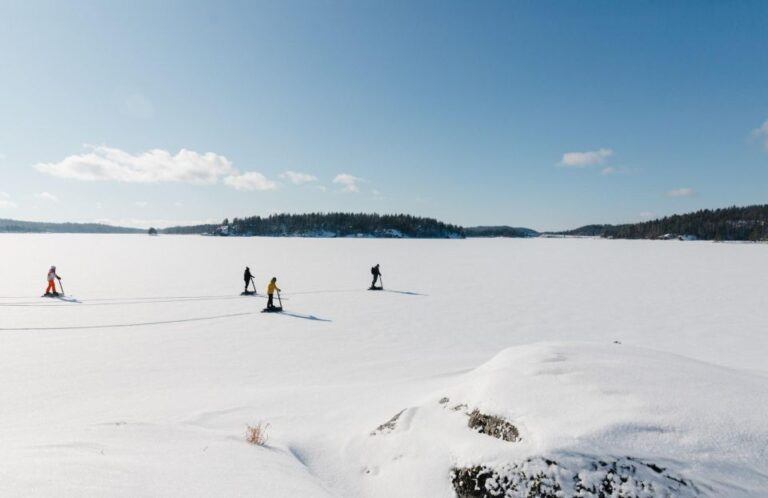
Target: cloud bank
[
  {"x": 584, "y": 159},
  {"x": 154, "y": 166},
  {"x": 102, "y": 163}
]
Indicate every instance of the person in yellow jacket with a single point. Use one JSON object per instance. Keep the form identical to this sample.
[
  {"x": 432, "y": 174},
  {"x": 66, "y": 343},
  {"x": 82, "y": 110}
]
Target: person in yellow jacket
[{"x": 271, "y": 288}]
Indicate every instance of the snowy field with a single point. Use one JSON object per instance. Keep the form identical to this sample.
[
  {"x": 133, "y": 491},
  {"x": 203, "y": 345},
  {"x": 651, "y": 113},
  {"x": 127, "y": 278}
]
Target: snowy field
[{"x": 642, "y": 356}]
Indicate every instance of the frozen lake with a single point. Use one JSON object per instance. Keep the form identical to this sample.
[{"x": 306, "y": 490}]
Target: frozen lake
[{"x": 144, "y": 384}]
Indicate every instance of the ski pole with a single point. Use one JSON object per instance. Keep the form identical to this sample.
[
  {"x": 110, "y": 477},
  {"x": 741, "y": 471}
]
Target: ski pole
[
  {"x": 61, "y": 285},
  {"x": 279, "y": 300},
  {"x": 254, "y": 286}
]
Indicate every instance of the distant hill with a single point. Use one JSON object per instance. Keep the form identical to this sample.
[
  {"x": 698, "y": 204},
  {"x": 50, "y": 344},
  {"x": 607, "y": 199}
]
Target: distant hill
[
  {"x": 500, "y": 231},
  {"x": 733, "y": 223},
  {"x": 329, "y": 225},
  {"x": 748, "y": 223},
  {"x": 587, "y": 231},
  {"x": 16, "y": 226}
]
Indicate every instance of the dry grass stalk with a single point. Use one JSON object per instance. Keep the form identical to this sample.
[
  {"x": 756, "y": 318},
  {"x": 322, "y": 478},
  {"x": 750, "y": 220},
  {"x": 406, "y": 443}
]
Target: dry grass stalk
[{"x": 257, "y": 434}]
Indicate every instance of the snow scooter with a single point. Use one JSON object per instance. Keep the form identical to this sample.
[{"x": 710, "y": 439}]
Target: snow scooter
[
  {"x": 247, "y": 292},
  {"x": 275, "y": 309},
  {"x": 381, "y": 285}
]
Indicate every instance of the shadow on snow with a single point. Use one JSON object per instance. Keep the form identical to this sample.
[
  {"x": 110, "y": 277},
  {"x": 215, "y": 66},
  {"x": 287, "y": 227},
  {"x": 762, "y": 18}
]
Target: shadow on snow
[
  {"x": 303, "y": 316},
  {"x": 407, "y": 293}
]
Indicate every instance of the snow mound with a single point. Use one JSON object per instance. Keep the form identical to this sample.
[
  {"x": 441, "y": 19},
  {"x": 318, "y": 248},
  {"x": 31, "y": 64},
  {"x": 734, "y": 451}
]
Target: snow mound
[{"x": 576, "y": 419}]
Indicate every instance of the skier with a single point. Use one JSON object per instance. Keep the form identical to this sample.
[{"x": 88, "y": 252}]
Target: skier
[
  {"x": 247, "y": 277},
  {"x": 376, "y": 274},
  {"x": 271, "y": 288},
  {"x": 52, "y": 277}
]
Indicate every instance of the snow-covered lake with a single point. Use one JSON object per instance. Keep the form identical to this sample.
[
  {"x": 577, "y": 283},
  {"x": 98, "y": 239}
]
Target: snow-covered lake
[{"x": 143, "y": 385}]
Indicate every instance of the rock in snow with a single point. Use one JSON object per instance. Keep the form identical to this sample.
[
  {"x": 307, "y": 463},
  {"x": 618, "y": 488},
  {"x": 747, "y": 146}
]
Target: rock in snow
[
  {"x": 574, "y": 475},
  {"x": 594, "y": 421},
  {"x": 493, "y": 426}
]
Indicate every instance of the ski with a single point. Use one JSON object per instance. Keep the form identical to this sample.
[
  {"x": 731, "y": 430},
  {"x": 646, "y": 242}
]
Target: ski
[{"x": 61, "y": 297}]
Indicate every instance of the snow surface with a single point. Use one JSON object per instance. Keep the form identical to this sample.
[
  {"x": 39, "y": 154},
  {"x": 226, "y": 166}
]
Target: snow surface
[{"x": 144, "y": 385}]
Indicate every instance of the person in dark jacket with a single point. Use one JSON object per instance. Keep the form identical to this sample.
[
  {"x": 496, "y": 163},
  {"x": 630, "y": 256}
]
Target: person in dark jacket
[
  {"x": 247, "y": 277},
  {"x": 376, "y": 274}
]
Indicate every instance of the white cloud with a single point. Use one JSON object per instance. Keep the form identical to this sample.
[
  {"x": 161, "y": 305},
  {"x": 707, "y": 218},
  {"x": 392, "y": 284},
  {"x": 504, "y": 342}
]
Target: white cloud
[
  {"x": 104, "y": 163},
  {"x": 298, "y": 178},
  {"x": 610, "y": 170},
  {"x": 681, "y": 192},
  {"x": 141, "y": 203},
  {"x": 2, "y": 156},
  {"x": 647, "y": 215},
  {"x": 250, "y": 181},
  {"x": 46, "y": 196},
  {"x": 348, "y": 182},
  {"x": 762, "y": 133},
  {"x": 156, "y": 165},
  {"x": 584, "y": 159}
]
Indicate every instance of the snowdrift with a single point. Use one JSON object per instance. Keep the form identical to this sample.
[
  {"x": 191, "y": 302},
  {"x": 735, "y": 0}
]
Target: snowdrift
[
  {"x": 589, "y": 420},
  {"x": 143, "y": 382}
]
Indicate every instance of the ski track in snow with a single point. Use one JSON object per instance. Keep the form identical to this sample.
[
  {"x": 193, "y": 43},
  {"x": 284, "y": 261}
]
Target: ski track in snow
[
  {"x": 623, "y": 350},
  {"x": 136, "y": 324}
]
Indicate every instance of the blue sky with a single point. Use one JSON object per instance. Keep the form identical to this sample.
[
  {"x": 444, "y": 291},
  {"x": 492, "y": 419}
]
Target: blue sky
[{"x": 542, "y": 114}]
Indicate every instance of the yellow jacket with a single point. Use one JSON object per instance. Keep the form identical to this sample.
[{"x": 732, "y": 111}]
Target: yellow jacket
[{"x": 272, "y": 287}]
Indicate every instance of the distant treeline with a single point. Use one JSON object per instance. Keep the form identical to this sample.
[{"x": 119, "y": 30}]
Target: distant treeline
[
  {"x": 500, "y": 231},
  {"x": 733, "y": 223},
  {"x": 329, "y": 225},
  {"x": 15, "y": 226}
]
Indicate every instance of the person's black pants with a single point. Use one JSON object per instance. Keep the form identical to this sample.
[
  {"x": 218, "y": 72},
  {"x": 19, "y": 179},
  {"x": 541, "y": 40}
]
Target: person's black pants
[
  {"x": 247, "y": 281},
  {"x": 375, "y": 278},
  {"x": 269, "y": 301}
]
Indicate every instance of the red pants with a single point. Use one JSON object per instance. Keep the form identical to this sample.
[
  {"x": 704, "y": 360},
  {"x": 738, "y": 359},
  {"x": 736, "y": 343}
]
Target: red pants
[{"x": 51, "y": 287}]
